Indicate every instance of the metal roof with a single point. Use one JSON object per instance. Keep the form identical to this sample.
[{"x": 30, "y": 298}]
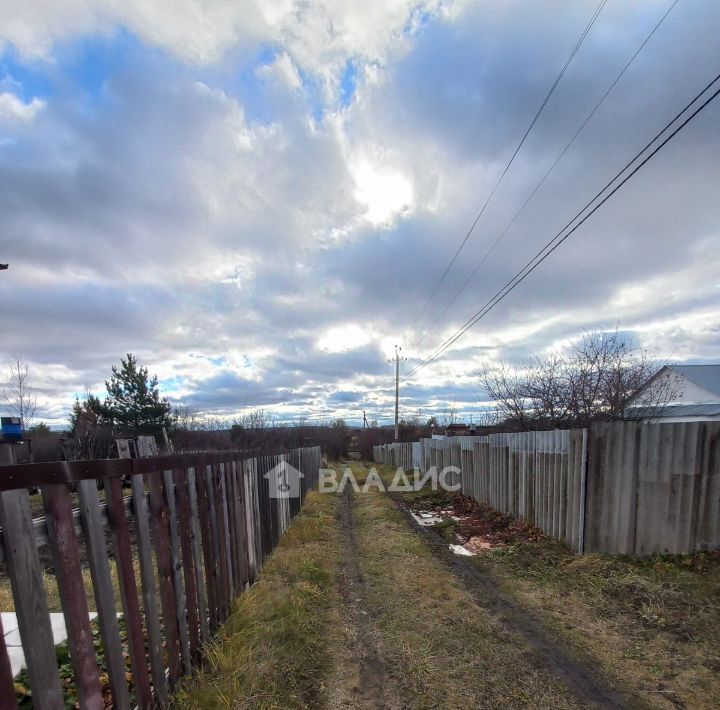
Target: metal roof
[
  {"x": 675, "y": 410},
  {"x": 705, "y": 376}
]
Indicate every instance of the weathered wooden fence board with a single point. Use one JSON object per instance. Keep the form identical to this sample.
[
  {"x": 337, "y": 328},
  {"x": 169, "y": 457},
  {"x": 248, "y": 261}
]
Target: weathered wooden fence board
[
  {"x": 99, "y": 562},
  {"x": 149, "y": 590},
  {"x": 201, "y": 526},
  {"x": 161, "y": 538},
  {"x": 30, "y": 600},
  {"x": 176, "y": 563},
  {"x": 209, "y": 554},
  {"x": 68, "y": 572},
  {"x": 185, "y": 533},
  {"x": 197, "y": 556},
  {"x": 128, "y": 590}
]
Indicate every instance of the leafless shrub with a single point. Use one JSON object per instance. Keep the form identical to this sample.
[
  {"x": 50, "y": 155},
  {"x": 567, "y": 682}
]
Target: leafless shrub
[
  {"x": 17, "y": 392},
  {"x": 595, "y": 381}
]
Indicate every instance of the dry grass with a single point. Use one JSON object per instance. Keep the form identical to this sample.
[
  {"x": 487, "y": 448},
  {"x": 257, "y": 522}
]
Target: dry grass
[
  {"x": 38, "y": 507},
  {"x": 440, "y": 648},
  {"x": 274, "y": 650},
  {"x": 51, "y": 589},
  {"x": 652, "y": 626}
]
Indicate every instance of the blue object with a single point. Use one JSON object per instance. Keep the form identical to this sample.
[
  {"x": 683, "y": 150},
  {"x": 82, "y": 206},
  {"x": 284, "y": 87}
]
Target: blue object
[{"x": 12, "y": 429}]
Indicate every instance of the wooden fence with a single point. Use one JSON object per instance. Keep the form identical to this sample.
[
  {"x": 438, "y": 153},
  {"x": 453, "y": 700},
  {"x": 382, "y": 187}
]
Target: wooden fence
[
  {"x": 621, "y": 487},
  {"x": 192, "y": 537}
]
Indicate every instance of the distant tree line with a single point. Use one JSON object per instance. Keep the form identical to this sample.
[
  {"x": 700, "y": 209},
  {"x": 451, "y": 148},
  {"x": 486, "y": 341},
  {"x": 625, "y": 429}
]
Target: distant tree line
[
  {"x": 258, "y": 431},
  {"x": 133, "y": 405}
]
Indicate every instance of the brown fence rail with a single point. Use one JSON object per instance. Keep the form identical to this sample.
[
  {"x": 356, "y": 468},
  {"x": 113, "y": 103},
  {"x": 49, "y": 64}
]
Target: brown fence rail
[
  {"x": 621, "y": 487},
  {"x": 191, "y": 537}
]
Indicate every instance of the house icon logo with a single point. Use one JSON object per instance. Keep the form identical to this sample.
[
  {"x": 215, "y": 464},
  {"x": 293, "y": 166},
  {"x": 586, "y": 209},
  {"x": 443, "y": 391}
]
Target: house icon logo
[{"x": 284, "y": 481}]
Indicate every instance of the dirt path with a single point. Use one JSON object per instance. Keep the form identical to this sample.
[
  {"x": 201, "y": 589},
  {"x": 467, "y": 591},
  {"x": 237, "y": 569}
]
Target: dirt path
[
  {"x": 587, "y": 687},
  {"x": 365, "y": 681},
  {"x": 356, "y": 610}
]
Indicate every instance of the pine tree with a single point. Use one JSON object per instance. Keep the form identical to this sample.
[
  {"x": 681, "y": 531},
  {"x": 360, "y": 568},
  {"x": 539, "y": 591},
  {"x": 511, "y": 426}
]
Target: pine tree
[
  {"x": 87, "y": 414},
  {"x": 133, "y": 399}
]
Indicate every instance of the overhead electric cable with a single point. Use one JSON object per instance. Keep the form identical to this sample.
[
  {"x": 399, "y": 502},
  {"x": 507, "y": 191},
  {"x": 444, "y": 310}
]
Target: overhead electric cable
[
  {"x": 544, "y": 177},
  {"x": 549, "y": 94},
  {"x": 561, "y": 236}
]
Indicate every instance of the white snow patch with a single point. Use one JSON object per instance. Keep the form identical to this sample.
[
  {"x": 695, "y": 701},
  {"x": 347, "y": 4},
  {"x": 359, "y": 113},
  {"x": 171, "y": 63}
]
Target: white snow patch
[
  {"x": 426, "y": 519},
  {"x": 460, "y": 550}
]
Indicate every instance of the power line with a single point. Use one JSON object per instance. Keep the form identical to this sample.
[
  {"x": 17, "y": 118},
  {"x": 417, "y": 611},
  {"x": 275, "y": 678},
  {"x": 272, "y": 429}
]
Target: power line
[
  {"x": 560, "y": 238},
  {"x": 383, "y": 410},
  {"x": 558, "y": 78},
  {"x": 545, "y": 176}
]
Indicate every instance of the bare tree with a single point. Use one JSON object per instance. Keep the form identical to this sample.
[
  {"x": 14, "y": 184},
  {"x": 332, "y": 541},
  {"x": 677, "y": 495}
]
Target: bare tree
[
  {"x": 595, "y": 381},
  {"x": 254, "y": 430},
  {"x": 506, "y": 386},
  {"x": 18, "y": 394},
  {"x": 487, "y": 418},
  {"x": 449, "y": 416}
]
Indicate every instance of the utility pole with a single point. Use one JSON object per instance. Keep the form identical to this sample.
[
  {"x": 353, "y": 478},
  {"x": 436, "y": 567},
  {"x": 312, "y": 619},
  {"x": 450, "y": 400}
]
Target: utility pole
[{"x": 398, "y": 357}]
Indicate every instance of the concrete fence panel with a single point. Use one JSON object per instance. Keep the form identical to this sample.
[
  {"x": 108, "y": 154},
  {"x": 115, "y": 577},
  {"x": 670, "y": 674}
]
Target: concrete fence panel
[
  {"x": 620, "y": 487},
  {"x": 653, "y": 487}
]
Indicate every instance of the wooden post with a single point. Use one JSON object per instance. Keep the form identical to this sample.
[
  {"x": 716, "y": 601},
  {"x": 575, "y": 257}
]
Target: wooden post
[
  {"x": 128, "y": 590},
  {"x": 103, "y": 587},
  {"x": 149, "y": 590},
  {"x": 30, "y": 600},
  {"x": 68, "y": 572}
]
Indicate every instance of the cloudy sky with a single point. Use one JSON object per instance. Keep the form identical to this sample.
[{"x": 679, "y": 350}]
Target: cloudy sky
[{"x": 258, "y": 198}]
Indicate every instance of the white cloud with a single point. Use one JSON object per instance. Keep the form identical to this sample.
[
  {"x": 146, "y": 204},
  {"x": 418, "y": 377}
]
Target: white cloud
[
  {"x": 320, "y": 36},
  {"x": 283, "y": 69},
  {"x": 14, "y": 109},
  {"x": 384, "y": 193},
  {"x": 170, "y": 221},
  {"x": 343, "y": 337}
]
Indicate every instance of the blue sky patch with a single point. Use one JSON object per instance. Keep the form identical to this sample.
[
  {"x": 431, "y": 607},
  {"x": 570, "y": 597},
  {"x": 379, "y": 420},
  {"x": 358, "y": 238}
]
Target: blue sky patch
[
  {"x": 348, "y": 83},
  {"x": 25, "y": 80}
]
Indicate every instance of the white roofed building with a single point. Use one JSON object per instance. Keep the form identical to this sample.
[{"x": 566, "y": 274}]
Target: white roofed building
[{"x": 679, "y": 393}]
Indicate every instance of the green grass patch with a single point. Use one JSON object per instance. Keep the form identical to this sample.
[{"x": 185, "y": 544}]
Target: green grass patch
[{"x": 272, "y": 652}]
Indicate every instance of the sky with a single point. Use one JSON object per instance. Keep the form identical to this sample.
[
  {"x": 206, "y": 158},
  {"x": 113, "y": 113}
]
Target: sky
[{"x": 257, "y": 199}]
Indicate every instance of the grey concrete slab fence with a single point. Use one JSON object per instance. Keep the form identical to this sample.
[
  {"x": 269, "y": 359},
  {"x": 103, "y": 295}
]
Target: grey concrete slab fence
[
  {"x": 192, "y": 536},
  {"x": 620, "y": 488}
]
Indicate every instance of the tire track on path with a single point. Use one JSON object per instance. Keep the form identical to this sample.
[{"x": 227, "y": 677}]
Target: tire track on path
[
  {"x": 368, "y": 684},
  {"x": 587, "y": 687}
]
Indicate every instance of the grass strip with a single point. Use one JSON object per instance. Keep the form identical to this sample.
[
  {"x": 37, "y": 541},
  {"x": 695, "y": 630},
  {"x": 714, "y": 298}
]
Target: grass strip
[{"x": 272, "y": 652}]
